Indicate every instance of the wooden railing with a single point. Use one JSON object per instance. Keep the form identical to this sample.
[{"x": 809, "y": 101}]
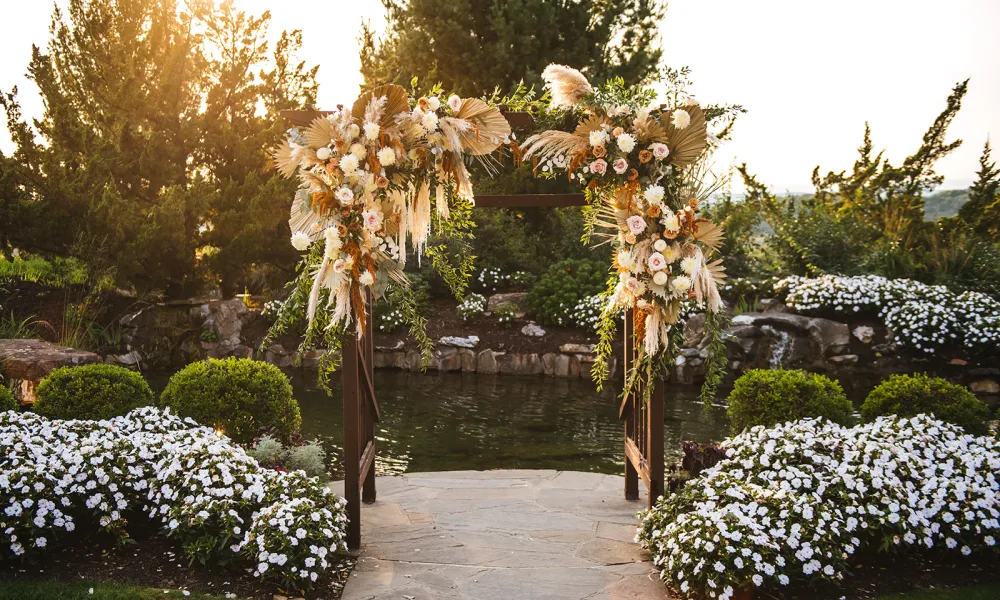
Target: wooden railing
[
  {"x": 360, "y": 414},
  {"x": 643, "y": 429}
]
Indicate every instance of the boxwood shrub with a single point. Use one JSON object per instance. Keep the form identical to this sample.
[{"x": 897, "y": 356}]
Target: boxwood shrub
[
  {"x": 91, "y": 392},
  {"x": 769, "y": 397},
  {"x": 237, "y": 395},
  {"x": 7, "y": 401},
  {"x": 558, "y": 291},
  {"x": 910, "y": 395}
]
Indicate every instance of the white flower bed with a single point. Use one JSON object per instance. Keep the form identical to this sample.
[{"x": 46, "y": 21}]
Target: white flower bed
[
  {"x": 795, "y": 501},
  {"x": 203, "y": 490},
  {"x": 924, "y": 319}
]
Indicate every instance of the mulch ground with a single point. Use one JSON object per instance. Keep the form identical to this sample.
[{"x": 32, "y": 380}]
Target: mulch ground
[{"x": 156, "y": 563}]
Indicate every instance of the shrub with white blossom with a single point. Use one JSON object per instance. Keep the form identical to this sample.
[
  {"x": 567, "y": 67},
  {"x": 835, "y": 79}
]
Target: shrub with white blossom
[
  {"x": 926, "y": 320},
  {"x": 204, "y": 491},
  {"x": 472, "y": 307},
  {"x": 795, "y": 501}
]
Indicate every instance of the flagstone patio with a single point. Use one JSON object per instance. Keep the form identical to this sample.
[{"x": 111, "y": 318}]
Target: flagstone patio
[{"x": 505, "y": 535}]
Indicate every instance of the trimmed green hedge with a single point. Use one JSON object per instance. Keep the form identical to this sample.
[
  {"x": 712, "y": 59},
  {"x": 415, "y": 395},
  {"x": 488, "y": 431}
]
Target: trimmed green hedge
[
  {"x": 237, "y": 395},
  {"x": 91, "y": 392},
  {"x": 770, "y": 397},
  {"x": 7, "y": 401},
  {"x": 910, "y": 395}
]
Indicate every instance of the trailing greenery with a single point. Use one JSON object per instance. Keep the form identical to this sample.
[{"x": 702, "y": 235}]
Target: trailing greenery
[
  {"x": 771, "y": 397},
  {"x": 91, "y": 392},
  {"x": 910, "y": 395},
  {"x": 562, "y": 287},
  {"x": 238, "y": 396}
]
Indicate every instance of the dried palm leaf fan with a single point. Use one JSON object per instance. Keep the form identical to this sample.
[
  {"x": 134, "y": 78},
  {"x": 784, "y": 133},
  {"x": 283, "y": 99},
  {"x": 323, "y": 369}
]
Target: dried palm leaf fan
[
  {"x": 320, "y": 132},
  {"x": 709, "y": 234},
  {"x": 687, "y": 144},
  {"x": 396, "y": 101},
  {"x": 490, "y": 128},
  {"x": 283, "y": 160}
]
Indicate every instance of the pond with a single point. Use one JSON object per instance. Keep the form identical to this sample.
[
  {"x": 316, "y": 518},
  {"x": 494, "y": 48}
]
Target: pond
[{"x": 451, "y": 421}]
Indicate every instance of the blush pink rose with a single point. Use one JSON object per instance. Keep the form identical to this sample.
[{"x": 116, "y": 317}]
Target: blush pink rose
[
  {"x": 636, "y": 224},
  {"x": 621, "y": 165},
  {"x": 656, "y": 262},
  {"x": 599, "y": 166}
]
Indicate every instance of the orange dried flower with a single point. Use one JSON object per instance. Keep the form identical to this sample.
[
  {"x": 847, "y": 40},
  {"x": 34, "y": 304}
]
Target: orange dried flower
[
  {"x": 600, "y": 151},
  {"x": 617, "y": 131},
  {"x": 424, "y": 104},
  {"x": 382, "y": 182},
  {"x": 645, "y": 156},
  {"x": 653, "y": 211},
  {"x": 633, "y": 175}
]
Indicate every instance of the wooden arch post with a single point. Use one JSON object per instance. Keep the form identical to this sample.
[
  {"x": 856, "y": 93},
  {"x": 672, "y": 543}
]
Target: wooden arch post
[{"x": 643, "y": 420}]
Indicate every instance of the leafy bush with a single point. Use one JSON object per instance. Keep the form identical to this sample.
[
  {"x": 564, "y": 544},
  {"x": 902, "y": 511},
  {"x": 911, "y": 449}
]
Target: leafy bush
[
  {"x": 494, "y": 279},
  {"x": 910, "y": 395},
  {"x": 7, "y": 401},
  {"x": 202, "y": 491},
  {"x": 237, "y": 395},
  {"x": 769, "y": 397},
  {"x": 472, "y": 307},
  {"x": 557, "y": 293},
  {"x": 796, "y": 501},
  {"x": 91, "y": 392},
  {"x": 308, "y": 457},
  {"x": 587, "y": 312},
  {"x": 505, "y": 314}
]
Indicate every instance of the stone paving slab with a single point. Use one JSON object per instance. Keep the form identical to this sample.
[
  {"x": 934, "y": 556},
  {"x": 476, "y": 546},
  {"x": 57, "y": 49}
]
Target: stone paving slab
[{"x": 501, "y": 535}]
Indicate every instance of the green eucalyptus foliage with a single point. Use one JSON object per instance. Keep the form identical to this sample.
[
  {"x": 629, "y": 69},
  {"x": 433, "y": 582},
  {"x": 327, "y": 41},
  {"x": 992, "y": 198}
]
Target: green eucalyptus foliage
[
  {"x": 237, "y": 395},
  {"x": 910, "y": 395},
  {"x": 91, "y": 392},
  {"x": 770, "y": 397}
]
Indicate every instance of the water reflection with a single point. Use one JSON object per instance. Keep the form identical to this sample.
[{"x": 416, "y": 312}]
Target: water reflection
[{"x": 450, "y": 421}]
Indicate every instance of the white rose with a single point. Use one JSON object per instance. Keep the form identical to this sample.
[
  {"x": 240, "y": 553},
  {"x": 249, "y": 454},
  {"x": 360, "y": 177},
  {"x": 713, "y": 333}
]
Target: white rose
[
  {"x": 656, "y": 262},
  {"x": 636, "y": 224},
  {"x": 300, "y": 240},
  {"x": 339, "y": 265},
  {"x": 681, "y": 118},
  {"x": 366, "y": 278},
  {"x": 349, "y": 164},
  {"x": 620, "y": 165},
  {"x": 454, "y": 103},
  {"x": 434, "y": 103},
  {"x": 372, "y": 219},
  {"x": 626, "y": 142},
  {"x": 344, "y": 194},
  {"x": 659, "y": 150},
  {"x": 386, "y": 156},
  {"x": 323, "y": 153},
  {"x": 353, "y": 131},
  {"x": 660, "y": 245},
  {"x": 372, "y": 130},
  {"x": 654, "y": 194},
  {"x": 660, "y": 278}
]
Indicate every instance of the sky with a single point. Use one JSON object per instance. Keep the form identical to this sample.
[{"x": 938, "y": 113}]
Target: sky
[{"x": 809, "y": 72}]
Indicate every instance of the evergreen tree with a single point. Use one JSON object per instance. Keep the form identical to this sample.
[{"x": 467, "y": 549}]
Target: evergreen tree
[
  {"x": 982, "y": 211},
  {"x": 473, "y": 46}
]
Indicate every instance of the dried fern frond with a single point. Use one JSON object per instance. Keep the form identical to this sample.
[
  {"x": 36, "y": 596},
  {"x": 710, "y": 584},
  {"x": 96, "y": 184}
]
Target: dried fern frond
[
  {"x": 687, "y": 144},
  {"x": 567, "y": 85},
  {"x": 490, "y": 128},
  {"x": 553, "y": 143}
]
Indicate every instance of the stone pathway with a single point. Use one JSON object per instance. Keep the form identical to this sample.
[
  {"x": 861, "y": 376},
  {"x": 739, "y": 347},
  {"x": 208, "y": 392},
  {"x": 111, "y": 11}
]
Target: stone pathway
[{"x": 503, "y": 535}]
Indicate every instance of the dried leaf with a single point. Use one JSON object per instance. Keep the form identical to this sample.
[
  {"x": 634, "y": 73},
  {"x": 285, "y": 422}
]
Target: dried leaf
[
  {"x": 709, "y": 234},
  {"x": 320, "y": 132},
  {"x": 397, "y": 101},
  {"x": 687, "y": 144},
  {"x": 490, "y": 128}
]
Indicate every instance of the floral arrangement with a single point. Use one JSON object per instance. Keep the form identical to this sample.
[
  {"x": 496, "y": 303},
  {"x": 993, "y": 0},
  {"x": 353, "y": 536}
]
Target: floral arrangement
[
  {"x": 793, "y": 503},
  {"x": 926, "y": 320},
  {"x": 643, "y": 171},
  {"x": 374, "y": 177},
  {"x": 203, "y": 490}
]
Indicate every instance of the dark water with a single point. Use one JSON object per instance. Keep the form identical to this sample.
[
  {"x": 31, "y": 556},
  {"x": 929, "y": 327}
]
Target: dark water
[{"x": 450, "y": 421}]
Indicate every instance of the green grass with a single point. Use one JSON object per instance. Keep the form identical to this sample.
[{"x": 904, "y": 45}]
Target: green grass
[
  {"x": 985, "y": 592},
  {"x": 58, "y": 590}
]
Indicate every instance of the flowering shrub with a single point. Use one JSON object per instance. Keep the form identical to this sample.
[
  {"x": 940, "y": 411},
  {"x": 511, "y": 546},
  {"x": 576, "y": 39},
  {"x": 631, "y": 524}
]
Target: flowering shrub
[
  {"x": 389, "y": 320},
  {"x": 587, "y": 312},
  {"x": 494, "y": 279},
  {"x": 926, "y": 320},
  {"x": 505, "y": 314},
  {"x": 203, "y": 490},
  {"x": 910, "y": 395},
  {"x": 771, "y": 396},
  {"x": 472, "y": 307},
  {"x": 238, "y": 395},
  {"x": 795, "y": 501},
  {"x": 91, "y": 392},
  {"x": 562, "y": 286}
]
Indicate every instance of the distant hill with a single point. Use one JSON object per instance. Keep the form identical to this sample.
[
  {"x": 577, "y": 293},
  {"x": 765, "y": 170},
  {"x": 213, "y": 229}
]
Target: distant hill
[{"x": 944, "y": 204}]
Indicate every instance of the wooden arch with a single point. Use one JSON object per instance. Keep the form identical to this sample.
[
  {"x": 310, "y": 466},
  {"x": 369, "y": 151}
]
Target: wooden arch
[{"x": 643, "y": 448}]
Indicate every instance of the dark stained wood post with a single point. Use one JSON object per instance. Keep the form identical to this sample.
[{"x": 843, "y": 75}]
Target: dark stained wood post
[
  {"x": 352, "y": 443},
  {"x": 368, "y": 491},
  {"x": 631, "y": 472},
  {"x": 654, "y": 443}
]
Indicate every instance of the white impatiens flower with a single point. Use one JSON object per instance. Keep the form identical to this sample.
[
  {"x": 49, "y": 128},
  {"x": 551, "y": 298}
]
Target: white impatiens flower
[
  {"x": 372, "y": 130},
  {"x": 598, "y": 137},
  {"x": 324, "y": 153},
  {"x": 626, "y": 142},
  {"x": 681, "y": 284},
  {"x": 654, "y": 194},
  {"x": 680, "y": 119},
  {"x": 301, "y": 241},
  {"x": 386, "y": 156}
]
